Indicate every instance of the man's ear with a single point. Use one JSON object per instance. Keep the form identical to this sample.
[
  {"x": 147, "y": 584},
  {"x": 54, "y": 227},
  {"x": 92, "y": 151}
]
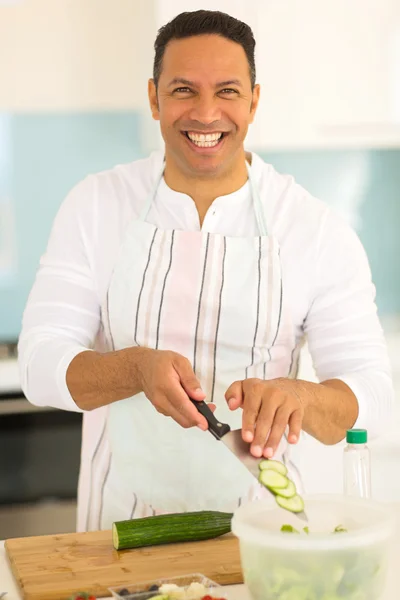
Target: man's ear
[
  {"x": 254, "y": 102},
  {"x": 153, "y": 100}
]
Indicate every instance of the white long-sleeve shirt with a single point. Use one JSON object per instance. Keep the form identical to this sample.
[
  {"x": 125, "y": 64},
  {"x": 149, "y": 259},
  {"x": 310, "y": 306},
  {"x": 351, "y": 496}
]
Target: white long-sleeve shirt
[{"x": 326, "y": 277}]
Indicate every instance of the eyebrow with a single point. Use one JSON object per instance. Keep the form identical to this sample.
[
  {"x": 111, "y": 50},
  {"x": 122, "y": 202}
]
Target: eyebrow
[{"x": 183, "y": 81}]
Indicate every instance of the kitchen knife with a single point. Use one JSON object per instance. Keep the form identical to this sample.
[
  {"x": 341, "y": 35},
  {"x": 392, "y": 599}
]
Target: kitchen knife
[{"x": 233, "y": 440}]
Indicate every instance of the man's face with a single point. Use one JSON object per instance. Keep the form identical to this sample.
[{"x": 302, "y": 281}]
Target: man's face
[{"x": 204, "y": 103}]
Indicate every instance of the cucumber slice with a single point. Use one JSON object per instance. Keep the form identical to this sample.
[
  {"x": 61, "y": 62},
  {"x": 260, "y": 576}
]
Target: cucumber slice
[
  {"x": 275, "y": 465},
  {"x": 289, "y": 529},
  {"x": 273, "y": 480},
  {"x": 287, "y": 492},
  {"x": 294, "y": 504}
]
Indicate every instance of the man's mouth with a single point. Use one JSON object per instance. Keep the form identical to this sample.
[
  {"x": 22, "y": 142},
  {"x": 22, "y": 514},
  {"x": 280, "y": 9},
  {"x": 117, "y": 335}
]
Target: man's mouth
[{"x": 205, "y": 140}]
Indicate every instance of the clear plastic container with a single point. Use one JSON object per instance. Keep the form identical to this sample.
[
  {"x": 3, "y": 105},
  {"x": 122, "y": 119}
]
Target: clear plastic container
[
  {"x": 357, "y": 464},
  {"x": 321, "y": 565},
  {"x": 141, "y": 591}
]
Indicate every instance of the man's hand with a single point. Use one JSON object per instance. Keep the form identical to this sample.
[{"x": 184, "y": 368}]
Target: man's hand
[
  {"x": 324, "y": 410},
  {"x": 168, "y": 380},
  {"x": 268, "y": 407}
]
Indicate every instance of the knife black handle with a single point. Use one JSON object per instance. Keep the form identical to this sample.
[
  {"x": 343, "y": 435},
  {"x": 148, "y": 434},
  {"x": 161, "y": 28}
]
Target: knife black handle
[{"x": 217, "y": 429}]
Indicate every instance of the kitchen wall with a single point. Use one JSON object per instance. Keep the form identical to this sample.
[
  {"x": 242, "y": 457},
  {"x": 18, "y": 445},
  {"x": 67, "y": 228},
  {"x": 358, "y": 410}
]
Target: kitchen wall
[{"x": 73, "y": 101}]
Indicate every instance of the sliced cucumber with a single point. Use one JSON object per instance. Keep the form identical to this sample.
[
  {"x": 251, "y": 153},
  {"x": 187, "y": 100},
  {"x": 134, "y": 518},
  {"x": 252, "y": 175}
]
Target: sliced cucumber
[
  {"x": 289, "y": 529},
  {"x": 294, "y": 504},
  {"x": 272, "y": 479},
  {"x": 287, "y": 492},
  {"x": 275, "y": 465}
]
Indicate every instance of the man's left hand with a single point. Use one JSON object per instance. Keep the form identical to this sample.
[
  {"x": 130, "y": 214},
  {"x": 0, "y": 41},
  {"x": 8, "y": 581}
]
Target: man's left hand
[{"x": 268, "y": 408}]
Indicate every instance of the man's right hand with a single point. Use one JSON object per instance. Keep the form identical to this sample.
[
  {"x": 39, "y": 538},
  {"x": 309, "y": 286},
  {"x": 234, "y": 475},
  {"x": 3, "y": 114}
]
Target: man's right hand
[{"x": 168, "y": 380}]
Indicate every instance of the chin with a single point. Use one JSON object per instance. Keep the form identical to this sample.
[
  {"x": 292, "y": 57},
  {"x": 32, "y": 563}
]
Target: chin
[{"x": 205, "y": 165}]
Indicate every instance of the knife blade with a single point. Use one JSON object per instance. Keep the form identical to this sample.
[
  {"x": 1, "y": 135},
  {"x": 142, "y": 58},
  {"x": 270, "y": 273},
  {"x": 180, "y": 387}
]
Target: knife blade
[{"x": 233, "y": 440}]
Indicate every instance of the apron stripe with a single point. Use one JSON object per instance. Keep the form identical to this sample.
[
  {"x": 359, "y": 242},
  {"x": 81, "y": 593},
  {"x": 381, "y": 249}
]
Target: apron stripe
[
  {"x": 102, "y": 489},
  {"x": 94, "y": 455},
  {"x": 156, "y": 276},
  {"x": 218, "y": 320},
  {"x": 199, "y": 305},
  {"x": 134, "y": 507},
  {"x": 269, "y": 303},
  {"x": 108, "y": 320},
  {"x": 163, "y": 289},
  {"x": 142, "y": 286},
  {"x": 280, "y": 309},
  {"x": 279, "y": 317},
  {"x": 258, "y": 308}
]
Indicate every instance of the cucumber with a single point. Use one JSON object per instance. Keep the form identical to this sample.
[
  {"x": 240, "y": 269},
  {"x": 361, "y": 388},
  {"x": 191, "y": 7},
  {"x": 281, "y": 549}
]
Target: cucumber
[
  {"x": 294, "y": 504},
  {"x": 272, "y": 479},
  {"x": 275, "y": 465},
  {"x": 289, "y": 529},
  {"x": 287, "y": 492},
  {"x": 168, "y": 529}
]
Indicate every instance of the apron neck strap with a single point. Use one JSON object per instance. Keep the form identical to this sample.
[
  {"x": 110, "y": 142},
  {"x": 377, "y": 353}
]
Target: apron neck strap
[{"x": 257, "y": 204}]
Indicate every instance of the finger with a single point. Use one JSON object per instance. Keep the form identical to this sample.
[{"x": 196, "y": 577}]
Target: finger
[
  {"x": 264, "y": 423},
  {"x": 234, "y": 395},
  {"x": 165, "y": 408},
  {"x": 251, "y": 407},
  {"x": 187, "y": 377},
  {"x": 182, "y": 409},
  {"x": 295, "y": 425},
  {"x": 279, "y": 425}
]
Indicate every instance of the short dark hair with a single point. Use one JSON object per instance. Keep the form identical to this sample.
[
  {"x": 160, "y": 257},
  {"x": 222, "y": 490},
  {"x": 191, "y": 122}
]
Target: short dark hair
[{"x": 203, "y": 22}]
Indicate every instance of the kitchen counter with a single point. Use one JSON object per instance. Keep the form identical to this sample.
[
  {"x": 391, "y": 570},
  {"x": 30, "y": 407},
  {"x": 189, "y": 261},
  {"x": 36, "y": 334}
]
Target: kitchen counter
[
  {"x": 236, "y": 592},
  {"x": 8, "y": 584}
]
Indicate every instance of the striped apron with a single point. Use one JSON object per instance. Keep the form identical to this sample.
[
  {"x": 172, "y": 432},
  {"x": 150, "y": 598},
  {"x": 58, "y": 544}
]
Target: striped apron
[{"x": 218, "y": 301}]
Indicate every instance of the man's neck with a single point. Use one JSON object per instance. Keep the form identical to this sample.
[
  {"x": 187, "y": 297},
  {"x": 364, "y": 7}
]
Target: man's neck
[{"x": 204, "y": 190}]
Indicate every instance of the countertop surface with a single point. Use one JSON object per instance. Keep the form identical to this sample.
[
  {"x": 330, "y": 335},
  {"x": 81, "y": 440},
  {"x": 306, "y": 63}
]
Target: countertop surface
[{"x": 236, "y": 592}]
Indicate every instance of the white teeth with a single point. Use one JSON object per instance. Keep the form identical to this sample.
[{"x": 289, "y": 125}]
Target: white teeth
[{"x": 205, "y": 140}]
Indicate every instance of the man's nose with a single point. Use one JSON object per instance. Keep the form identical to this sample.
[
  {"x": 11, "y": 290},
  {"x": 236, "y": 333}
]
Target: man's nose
[{"x": 206, "y": 110}]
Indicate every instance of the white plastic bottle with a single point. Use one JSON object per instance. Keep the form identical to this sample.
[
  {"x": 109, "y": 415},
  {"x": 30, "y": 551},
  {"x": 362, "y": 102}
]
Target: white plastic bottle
[{"x": 357, "y": 464}]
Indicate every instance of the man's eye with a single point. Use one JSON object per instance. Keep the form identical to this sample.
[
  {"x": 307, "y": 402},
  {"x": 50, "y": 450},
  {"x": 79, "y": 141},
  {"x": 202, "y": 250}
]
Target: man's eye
[
  {"x": 228, "y": 91},
  {"x": 182, "y": 90}
]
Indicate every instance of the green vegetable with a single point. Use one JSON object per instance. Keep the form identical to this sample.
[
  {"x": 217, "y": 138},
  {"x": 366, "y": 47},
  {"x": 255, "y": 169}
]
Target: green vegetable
[
  {"x": 272, "y": 479},
  {"x": 345, "y": 574},
  {"x": 340, "y": 529},
  {"x": 289, "y": 529},
  {"x": 294, "y": 505},
  {"x": 273, "y": 476},
  {"x": 287, "y": 492},
  {"x": 167, "y": 529},
  {"x": 275, "y": 465}
]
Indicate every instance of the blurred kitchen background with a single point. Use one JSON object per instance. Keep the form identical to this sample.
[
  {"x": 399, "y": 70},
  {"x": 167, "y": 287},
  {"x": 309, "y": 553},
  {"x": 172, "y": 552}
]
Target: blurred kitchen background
[{"x": 73, "y": 101}]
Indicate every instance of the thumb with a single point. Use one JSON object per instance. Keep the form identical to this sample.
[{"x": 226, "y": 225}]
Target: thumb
[
  {"x": 234, "y": 395},
  {"x": 188, "y": 379}
]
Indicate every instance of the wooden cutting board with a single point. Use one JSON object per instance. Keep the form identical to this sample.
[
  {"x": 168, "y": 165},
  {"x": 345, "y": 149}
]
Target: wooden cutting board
[{"x": 53, "y": 567}]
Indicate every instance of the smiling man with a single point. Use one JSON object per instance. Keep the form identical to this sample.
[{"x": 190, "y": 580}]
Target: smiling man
[{"x": 195, "y": 274}]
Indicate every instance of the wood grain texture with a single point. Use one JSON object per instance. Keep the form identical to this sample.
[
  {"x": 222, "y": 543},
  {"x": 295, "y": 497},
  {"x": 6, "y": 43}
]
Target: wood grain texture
[{"x": 53, "y": 567}]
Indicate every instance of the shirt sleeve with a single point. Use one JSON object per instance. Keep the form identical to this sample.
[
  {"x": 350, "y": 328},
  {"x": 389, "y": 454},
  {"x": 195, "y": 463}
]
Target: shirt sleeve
[
  {"x": 62, "y": 315},
  {"x": 343, "y": 331}
]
